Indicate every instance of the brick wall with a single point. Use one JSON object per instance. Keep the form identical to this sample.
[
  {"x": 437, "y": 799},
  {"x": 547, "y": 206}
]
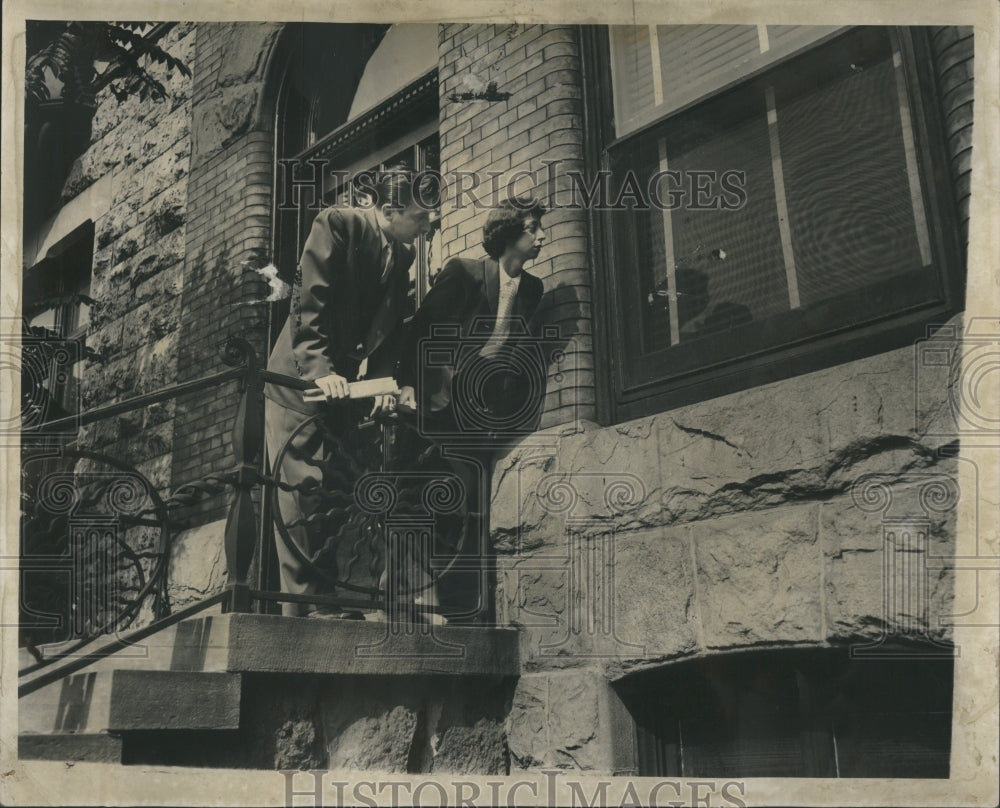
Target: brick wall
[
  {"x": 541, "y": 121},
  {"x": 953, "y": 52},
  {"x": 230, "y": 200},
  {"x": 211, "y": 38},
  {"x": 230, "y": 223}
]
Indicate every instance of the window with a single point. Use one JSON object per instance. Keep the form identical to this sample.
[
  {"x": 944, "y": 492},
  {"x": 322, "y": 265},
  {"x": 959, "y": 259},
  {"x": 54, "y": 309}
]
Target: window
[
  {"x": 772, "y": 205},
  {"x": 387, "y": 113},
  {"x": 56, "y": 313},
  {"x": 53, "y": 354},
  {"x": 794, "y": 713},
  {"x": 422, "y": 155}
]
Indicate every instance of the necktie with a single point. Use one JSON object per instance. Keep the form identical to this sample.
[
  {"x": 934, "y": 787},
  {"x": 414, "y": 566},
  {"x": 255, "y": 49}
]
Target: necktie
[
  {"x": 501, "y": 330},
  {"x": 386, "y": 259},
  {"x": 386, "y": 262}
]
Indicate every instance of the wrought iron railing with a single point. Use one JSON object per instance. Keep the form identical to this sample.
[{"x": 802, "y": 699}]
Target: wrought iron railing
[
  {"x": 388, "y": 502},
  {"x": 384, "y": 491}
]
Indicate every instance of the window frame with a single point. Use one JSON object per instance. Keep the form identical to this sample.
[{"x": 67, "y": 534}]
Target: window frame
[
  {"x": 353, "y": 146},
  {"x": 416, "y": 142},
  {"x": 621, "y": 399}
]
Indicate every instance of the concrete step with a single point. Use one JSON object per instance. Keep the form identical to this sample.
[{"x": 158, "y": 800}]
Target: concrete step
[
  {"x": 97, "y": 748},
  {"x": 251, "y": 643},
  {"x": 187, "y": 681},
  {"x": 72, "y": 717}
]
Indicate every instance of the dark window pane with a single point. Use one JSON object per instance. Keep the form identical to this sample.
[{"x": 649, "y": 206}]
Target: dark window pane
[
  {"x": 847, "y": 177},
  {"x": 719, "y": 267},
  {"x": 734, "y": 255},
  {"x": 805, "y": 713},
  {"x": 778, "y": 755},
  {"x": 894, "y": 744},
  {"x": 758, "y": 730},
  {"x": 659, "y": 748},
  {"x": 893, "y": 718}
]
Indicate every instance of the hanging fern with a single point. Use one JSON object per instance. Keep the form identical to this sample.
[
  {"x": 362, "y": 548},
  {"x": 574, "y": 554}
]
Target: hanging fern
[{"x": 127, "y": 47}]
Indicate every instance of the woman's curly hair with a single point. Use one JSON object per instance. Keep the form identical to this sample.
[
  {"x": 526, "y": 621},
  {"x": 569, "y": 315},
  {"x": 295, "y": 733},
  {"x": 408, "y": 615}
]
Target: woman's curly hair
[{"x": 505, "y": 224}]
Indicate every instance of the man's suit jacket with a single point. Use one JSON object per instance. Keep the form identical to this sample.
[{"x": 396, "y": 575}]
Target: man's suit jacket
[
  {"x": 340, "y": 313},
  {"x": 464, "y": 296}
]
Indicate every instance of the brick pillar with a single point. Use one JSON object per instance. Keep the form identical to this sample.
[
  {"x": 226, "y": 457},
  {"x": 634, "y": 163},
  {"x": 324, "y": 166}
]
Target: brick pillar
[
  {"x": 953, "y": 55},
  {"x": 229, "y": 222},
  {"x": 541, "y": 121}
]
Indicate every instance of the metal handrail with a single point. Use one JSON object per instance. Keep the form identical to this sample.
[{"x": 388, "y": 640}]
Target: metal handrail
[
  {"x": 240, "y": 355},
  {"x": 137, "y": 402},
  {"x": 242, "y": 533}
]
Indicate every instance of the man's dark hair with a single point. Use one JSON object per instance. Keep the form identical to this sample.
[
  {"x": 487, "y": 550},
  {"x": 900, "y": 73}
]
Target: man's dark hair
[
  {"x": 400, "y": 186},
  {"x": 505, "y": 223}
]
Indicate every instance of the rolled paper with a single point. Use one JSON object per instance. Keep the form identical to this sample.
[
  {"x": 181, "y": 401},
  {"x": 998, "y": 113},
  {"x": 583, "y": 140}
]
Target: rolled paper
[{"x": 374, "y": 387}]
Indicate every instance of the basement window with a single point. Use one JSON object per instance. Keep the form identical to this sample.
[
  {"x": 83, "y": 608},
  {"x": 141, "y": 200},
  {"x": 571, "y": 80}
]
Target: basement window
[{"x": 794, "y": 713}]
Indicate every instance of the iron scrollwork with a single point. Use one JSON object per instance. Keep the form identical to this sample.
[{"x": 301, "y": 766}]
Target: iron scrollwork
[
  {"x": 374, "y": 484},
  {"x": 96, "y": 540}
]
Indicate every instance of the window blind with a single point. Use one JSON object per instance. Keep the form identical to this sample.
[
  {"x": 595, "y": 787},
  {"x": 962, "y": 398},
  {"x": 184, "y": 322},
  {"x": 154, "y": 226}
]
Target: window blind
[
  {"x": 632, "y": 74},
  {"x": 659, "y": 69}
]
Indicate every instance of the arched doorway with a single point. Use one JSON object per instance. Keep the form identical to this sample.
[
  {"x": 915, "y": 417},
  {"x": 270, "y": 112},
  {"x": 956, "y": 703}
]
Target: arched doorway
[
  {"x": 350, "y": 98},
  {"x": 353, "y": 98}
]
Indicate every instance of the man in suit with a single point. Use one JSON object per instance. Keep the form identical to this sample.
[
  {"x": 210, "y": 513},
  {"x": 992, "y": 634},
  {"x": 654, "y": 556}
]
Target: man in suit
[
  {"x": 344, "y": 323},
  {"x": 468, "y": 364}
]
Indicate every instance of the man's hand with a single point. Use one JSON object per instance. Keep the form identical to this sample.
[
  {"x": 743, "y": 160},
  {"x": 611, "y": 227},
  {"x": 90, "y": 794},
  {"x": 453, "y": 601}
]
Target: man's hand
[
  {"x": 383, "y": 404},
  {"x": 330, "y": 387},
  {"x": 408, "y": 399}
]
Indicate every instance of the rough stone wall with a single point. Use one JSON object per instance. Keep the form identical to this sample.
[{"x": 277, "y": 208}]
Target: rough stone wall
[
  {"x": 762, "y": 518},
  {"x": 145, "y": 148},
  {"x": 389, "y": 724},
  {"x": 191, "y": 200},
  {"x": 137, "y": 170},
  {"x": 384, "y": 724},
  {"x": 541, "y": 121},
  {"x": 562, "y": 720}
]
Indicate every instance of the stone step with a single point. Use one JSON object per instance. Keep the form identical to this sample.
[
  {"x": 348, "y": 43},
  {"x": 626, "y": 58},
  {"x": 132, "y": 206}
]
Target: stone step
[
  {"x": 183, "y": 686},
  {"x": 297, "y": 645},
  {"x": 196, "y": 644},
  {"x": 274, "y": 644},
  {"x": 96, "y": 748},
  {"x": 91, "y": 703}
]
